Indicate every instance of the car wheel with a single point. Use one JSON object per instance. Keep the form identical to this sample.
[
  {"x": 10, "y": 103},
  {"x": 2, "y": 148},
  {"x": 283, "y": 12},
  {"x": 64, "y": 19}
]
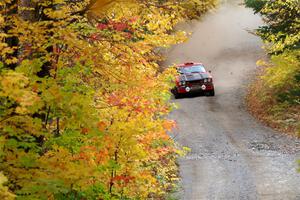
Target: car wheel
[
  {"x": 212, "y": 93},
  {"x": 177, "y": 95}
]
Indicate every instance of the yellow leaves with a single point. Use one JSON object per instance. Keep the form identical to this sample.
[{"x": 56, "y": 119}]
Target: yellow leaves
[
  {"x": 61, "y": 13},
  {"x": 159, "y": 23},
  {"x": 15, "y": 84},
  {"x": 285, "y": 67},
  {"x": 26, "y": 100},
  {"x": 108, "y": 56},
  {"x": 1, "y": 19},
  {"x": 90, "y": 99},
  {"x": 166, "y": 40},
  {"x": 4, "y": 2},
  {"x": 10, "y": 60},
  {"x": 5, "y": 194},
  {"x": 60, "y": 164},
  {"x": 261, "y": 63},
  {"x": 97, "y": 7},
  {"x": 13, "y": 80},
  {"x": 59, "y": 2}
]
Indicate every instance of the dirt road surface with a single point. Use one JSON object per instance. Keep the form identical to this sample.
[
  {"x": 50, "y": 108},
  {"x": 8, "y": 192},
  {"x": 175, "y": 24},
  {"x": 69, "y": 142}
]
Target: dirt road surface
[{"x": 232, "y": 155}]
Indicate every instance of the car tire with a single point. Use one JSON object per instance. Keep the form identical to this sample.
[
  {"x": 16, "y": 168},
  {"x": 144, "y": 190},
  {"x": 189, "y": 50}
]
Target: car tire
[
  {"x": 212, "y": 93},
  {"x": 175, "y": 93}
]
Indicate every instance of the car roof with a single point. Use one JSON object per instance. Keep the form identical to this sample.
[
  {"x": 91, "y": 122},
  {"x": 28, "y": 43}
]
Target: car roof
[{"x": 189, "y": 64}]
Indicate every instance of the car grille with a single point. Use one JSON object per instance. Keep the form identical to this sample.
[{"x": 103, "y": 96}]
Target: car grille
[{"x": 197, "y": 82}]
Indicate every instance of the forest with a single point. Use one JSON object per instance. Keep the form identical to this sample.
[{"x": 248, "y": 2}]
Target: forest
[
  {"x": 275, "y": 95},
  {"x": 83, "y": 101}
]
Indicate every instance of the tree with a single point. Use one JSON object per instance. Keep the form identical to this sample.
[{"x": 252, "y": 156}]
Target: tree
[
  {"x": 83, "y": 104},
  {"x": 279, "y": 87},
  {"x": 282, "y": 19}
]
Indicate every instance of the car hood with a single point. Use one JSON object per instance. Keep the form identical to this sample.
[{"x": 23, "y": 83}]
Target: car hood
[{"x": 193, "y": 76}]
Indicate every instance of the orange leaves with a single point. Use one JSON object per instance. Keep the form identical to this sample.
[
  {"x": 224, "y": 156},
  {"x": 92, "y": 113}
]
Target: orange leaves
[
  {"x": 136, "y": 100},
  {"x": 92, "y": 155},
  {"x": 123, "y": 179},
  {"x": 148, "y": 138},
  {"x": 101, "y": 126},
  {"x": 102, "y": 156},
  {"x": 85, "y": 130},
  {"x": 169, "y": 125},
  {"x": 163, "y": 151}
]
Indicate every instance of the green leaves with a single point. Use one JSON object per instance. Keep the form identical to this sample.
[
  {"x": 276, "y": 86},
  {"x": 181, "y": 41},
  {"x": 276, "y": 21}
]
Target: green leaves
[
  {"x": 279, "y": 87},
  {"x": 256, "y": 5},
  {"x": 282, "y": 18},
  {"x": 30, "y": 68}
]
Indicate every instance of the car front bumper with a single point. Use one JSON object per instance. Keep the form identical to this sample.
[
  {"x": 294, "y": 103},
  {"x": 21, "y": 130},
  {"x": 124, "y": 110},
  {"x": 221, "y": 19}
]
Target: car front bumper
[{"x": 194, "y": 88}]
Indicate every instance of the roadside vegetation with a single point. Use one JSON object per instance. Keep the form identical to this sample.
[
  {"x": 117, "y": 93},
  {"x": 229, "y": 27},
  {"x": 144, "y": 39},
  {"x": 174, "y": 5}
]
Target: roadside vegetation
[
  {"x": 274, "y": 97},
  {"x": 82, "y": 99}
]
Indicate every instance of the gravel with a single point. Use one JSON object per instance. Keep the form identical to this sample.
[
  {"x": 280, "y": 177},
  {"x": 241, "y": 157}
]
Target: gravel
[{"x": 232, "y": 155}]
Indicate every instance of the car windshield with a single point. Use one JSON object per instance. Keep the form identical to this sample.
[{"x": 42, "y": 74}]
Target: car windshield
[{"x": 192, "y": 69}]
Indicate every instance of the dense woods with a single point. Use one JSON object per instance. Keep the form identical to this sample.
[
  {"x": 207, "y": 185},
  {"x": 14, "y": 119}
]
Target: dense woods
[
  {"x": 83, "y": 100},
  {"x": 278, "y": 87}
]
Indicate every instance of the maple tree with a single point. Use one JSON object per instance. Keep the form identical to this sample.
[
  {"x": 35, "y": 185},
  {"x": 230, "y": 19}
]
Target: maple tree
[{"x": 83, "y": 100}]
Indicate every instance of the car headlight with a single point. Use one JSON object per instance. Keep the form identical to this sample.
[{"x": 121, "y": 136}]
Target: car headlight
[{"x": 207, "y": 80}]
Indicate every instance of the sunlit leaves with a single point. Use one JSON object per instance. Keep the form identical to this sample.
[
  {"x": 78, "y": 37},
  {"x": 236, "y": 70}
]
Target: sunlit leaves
[{"x": 83, "y": 101}]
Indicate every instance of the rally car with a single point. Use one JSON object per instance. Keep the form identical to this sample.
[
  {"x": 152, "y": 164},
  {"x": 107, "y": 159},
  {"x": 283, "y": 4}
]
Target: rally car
[{"x": 191, "y": 78}]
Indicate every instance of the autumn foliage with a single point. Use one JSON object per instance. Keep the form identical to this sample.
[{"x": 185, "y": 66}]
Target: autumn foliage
[
  {"x": 83, "y": 102},
  {"x": 275, "y": 96}
]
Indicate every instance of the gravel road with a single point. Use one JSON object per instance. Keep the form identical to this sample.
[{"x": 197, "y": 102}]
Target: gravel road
[{"x": 232, "y": 155}]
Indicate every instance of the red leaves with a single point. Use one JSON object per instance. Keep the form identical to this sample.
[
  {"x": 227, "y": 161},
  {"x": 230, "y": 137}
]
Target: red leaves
[
  {"x": 102, "y": 26},
  {"x": 115, "y": 100},
  {"x": 123, "y": 178},
  {"x": 123, "y": 27},
  {"x": 112, "y": 25},
  {"x": 119, "y": 26}
]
